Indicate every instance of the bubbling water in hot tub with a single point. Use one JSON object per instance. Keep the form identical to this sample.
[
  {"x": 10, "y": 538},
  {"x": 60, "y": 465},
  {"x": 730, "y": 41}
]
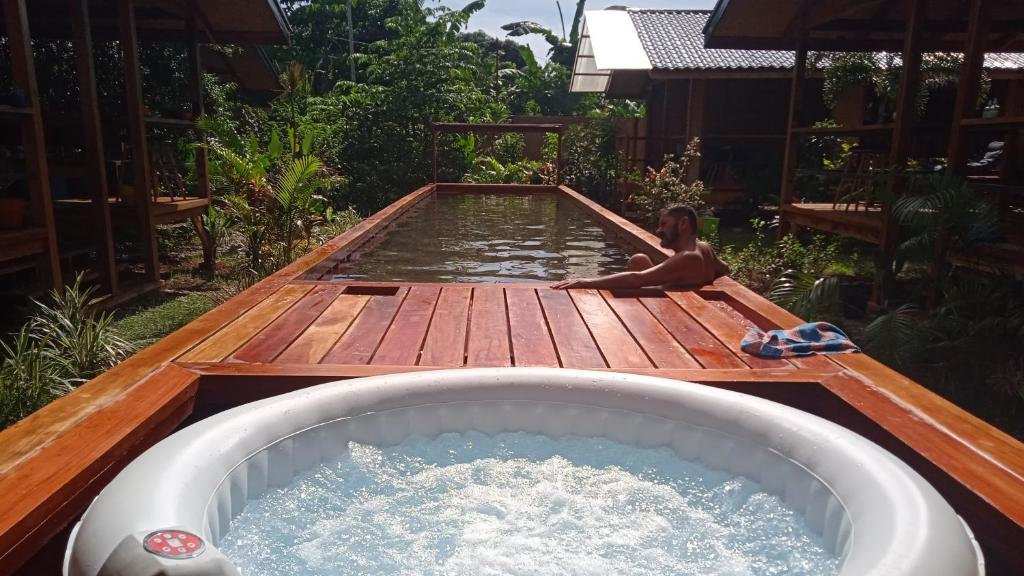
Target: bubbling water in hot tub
[{"x": 521, "y": 503}]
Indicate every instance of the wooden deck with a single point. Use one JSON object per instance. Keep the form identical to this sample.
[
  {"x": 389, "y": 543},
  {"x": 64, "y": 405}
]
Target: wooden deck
[
  {"x": 15, "y": 244},
  {"x": 856, "y": 222},
  {"x": 166, "y": 210},
  {"x": 294, "y": 330}
]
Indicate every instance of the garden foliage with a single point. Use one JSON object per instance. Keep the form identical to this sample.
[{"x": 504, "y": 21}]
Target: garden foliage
[{"x": 65, "y": 342}]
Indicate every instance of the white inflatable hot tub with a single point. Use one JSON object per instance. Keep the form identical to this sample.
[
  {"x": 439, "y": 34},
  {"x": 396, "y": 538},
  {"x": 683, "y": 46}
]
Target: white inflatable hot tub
[{"x": 166, "y": 512}]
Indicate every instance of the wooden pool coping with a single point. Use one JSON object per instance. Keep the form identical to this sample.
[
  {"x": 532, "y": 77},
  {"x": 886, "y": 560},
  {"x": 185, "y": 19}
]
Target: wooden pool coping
[{"x": 55, "y": 461}]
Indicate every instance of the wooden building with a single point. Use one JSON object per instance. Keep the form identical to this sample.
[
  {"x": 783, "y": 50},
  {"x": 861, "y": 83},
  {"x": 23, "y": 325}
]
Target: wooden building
[
  {"x": 96, "y": 178},
  {"x": 986, "y": 32},
  {"x": 735, "y": 100}
]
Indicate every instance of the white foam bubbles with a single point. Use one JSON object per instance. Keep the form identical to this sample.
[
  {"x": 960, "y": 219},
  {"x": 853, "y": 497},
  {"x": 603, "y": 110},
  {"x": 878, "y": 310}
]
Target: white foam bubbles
[{"x": 520, "y": 504}]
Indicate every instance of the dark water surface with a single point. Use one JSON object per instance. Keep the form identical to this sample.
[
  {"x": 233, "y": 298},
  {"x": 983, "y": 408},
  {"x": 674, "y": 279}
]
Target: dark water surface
[{"x": 491, "y": 238}]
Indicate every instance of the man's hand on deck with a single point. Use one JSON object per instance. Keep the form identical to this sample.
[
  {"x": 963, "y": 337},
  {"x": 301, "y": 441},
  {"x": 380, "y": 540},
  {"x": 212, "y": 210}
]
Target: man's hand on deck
[{"x": 572, "y": 283}]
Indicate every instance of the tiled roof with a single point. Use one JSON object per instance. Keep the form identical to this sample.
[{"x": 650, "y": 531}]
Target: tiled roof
[{"x": 674, "y": 40}]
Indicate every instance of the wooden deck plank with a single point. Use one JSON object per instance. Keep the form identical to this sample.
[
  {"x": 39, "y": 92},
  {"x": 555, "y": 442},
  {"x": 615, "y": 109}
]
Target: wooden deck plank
[
  {"x": 60, "y": 481},
  {"x": 237, "y": 333},
  {"x": 700, "y": 343},
  {"x": 531, "y": 341},
  {"x": 324, "y": 332},
  {"x": 725, "y": 329},
  {"x": 488, "y": 342},
  {"x": 280, "y": 333},
  {"x": 813, "y": 362},
  {"x": 575, "y": 346},
  {"x": 359, "y": 343},
  {"x": 404, "y": 339},
  {"x": 661, "y": 347},
  {"x": 445, "y": 344},
  {"x": 619, "y": 348}
]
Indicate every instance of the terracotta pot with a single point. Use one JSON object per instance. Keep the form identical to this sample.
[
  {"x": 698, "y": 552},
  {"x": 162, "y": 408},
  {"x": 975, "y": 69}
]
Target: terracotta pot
[{"x": 12, "y": 213}]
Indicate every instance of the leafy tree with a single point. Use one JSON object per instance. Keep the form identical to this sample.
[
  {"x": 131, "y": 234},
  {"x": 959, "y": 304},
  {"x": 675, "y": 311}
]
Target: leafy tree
[
  {"x": 320, "y": 31},
  {"x": 563, "y": 50},
  {"x": 423, "y": 71}
]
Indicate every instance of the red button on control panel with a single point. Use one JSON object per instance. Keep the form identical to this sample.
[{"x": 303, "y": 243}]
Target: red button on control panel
[{"x": 174, "y": 544}]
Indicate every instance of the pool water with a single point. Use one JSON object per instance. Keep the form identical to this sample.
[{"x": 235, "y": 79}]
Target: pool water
[
  {"x": 490, "y": 238},
  {"x": 520, "y": 504}
]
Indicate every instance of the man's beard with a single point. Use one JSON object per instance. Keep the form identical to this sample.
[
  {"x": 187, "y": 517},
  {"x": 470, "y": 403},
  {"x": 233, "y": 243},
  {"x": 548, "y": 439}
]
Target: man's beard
[{"x": 668, "y": 237}]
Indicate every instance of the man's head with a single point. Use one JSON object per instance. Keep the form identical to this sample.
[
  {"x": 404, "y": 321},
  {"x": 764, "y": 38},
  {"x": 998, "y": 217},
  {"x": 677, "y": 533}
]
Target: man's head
[{"x": 678, "y": 222}]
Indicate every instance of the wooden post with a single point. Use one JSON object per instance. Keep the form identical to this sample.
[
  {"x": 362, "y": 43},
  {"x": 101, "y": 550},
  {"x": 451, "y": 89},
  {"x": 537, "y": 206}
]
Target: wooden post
[
  {"x": 793, "y": 120},
  {"x": 202, "y": 161},
  {"x": 695, "y": 112},
  {"x": 900, "y": 147},
  {"x": 37, "y": 172},
  {"x": 969, "y": 84},
  {"x": 433, "y": 130},
  {"x": 558, "y": 161},
  {"x": 92, "y": 132},
  {"x": 664, "y": 124},
  {"x": 137, "y": 133},
  {"x": 198, "y": 107}
]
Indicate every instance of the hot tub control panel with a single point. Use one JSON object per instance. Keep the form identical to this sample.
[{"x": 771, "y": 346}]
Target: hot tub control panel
[{"x": 174, "y": 544}]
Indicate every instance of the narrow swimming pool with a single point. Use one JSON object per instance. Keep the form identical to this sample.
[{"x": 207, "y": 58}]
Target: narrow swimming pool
[{"x": 489, "y": 238}]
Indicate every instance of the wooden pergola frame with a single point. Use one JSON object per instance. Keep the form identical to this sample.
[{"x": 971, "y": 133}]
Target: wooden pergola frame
[
  {"x": 33, "y": 139},
  {"x": 80, "y": 28},
  {"x": 916, "y": 40},
  {"x": 471, "y": 128}
]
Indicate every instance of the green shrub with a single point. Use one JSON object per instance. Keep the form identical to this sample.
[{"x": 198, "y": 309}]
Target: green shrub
[
  {"x": 671, "y": 185},
  {"x": 65, "y": 342}
]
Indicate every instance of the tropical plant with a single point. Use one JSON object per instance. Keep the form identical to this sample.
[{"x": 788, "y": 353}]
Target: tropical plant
[
  {"x": 65, "y": 342},
  {"x": 299, "y": 202},
  {"x": 563, "y": 49},
  {"x": 216, "y": 224},
  {"x": 671, "y": 184},
  {"x": 898, "y": 337},
  {"x": 489, "y": 170},
  {"x": 881, "y": 72},
  {"x": 970, "y": 342},
  {"x": 807, "y": 295},
  {"x": 789, "y": 267},
  {"x": 274, "y": 192},
  {"x": 941, "y": 215}
]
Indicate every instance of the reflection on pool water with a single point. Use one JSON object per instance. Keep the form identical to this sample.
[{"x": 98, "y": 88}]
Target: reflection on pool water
[
  {"x": 520, "y": 503},
  {"x": 491, "y": 238}
]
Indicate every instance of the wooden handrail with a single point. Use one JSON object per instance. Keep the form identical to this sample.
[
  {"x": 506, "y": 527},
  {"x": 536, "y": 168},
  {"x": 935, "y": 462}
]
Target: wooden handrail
[{"x": 467, "y": 128}]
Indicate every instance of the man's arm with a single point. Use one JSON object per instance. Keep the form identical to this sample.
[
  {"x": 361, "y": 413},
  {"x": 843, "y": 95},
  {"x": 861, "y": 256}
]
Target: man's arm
[{"x": 679, "y": 269}]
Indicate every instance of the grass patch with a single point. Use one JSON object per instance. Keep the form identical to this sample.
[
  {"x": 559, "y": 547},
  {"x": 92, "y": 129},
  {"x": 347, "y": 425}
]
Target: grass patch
[{"x": 153, "y": 318}]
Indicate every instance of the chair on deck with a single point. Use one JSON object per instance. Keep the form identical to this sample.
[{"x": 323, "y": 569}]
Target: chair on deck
[{"x": 857, "y": 187}]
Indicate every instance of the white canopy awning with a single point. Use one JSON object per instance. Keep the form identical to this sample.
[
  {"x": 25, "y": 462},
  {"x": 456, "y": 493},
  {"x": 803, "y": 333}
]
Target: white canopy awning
[{"x": 609, "y": 42}]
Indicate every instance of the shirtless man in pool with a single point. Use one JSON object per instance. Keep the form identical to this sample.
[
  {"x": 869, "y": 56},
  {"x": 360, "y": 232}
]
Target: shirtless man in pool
[{"x": 693, "y": 264}]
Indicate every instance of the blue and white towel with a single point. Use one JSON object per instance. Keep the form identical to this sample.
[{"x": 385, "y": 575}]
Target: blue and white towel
[{"x": 804, "y": 340}]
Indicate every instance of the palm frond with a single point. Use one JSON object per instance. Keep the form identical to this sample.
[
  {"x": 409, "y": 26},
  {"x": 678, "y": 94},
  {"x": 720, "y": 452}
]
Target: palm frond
[
  {"x": 806, "y": 295},
  {"x": 898, "y": 337}
]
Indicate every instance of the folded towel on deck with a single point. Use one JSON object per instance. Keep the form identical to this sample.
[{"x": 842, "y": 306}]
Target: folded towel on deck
[{"x": 806, "y": 339}]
